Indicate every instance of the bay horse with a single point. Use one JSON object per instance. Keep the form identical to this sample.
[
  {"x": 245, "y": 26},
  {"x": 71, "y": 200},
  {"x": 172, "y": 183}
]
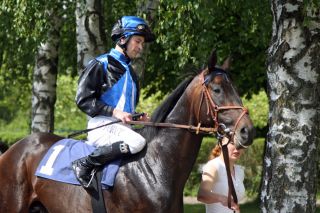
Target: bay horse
[{"x": 150, "y": 181}]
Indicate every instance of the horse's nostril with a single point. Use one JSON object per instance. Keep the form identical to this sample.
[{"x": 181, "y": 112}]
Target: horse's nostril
[{"x": 244, "y": 132}]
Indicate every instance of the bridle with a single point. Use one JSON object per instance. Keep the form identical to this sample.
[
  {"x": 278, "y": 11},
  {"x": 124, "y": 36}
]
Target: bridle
[{"x": 213, "y": 109}]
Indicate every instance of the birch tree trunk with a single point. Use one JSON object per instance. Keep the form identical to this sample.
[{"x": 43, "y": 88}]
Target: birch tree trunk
[
  {"x": 290, "y": 161},
  {"x": 90, "y": 35},
  {"x": 45, "y": 78},
  {"x": 148, "y": 7}
]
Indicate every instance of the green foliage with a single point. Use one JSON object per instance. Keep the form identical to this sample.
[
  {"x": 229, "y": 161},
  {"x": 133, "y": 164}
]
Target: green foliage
[
  {"x": 149, "y": 103},
  {"x": 251, "y": 160},
  {"x": 188, "y": 30},
  {"x": 16, "y": 128},
  {"x": 248, "y": 207},
  {"x": 192, "y": 185},
  {"x": 258, "y": 108},
  {"x": 68, "y": 117},
  {"x": 196, "y": 208},
  {"x": 15, "y": 95}
]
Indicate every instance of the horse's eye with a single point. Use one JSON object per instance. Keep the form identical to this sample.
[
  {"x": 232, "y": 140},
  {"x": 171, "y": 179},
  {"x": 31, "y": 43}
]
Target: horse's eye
[{"x": 216, "y": 90}]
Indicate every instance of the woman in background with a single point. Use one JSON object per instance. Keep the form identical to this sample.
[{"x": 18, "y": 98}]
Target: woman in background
[{"x": 214, "y": 187}]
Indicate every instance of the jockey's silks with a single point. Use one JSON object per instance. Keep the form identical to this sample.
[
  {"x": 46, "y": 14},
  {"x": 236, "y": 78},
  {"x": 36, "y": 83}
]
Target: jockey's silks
[{"x": 122, "y": 95}]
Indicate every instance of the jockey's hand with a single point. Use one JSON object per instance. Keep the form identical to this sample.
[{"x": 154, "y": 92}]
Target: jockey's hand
[
  {"x": 145, "y": 117},
  {"x": 141, "y": 117},
  {"x": 123, "y": 116}
]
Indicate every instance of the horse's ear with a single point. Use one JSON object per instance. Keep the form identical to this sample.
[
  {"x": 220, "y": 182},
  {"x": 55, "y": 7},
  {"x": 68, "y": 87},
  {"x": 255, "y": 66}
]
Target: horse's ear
[
  {"x": 227, "y": 63},
  {"x": 212, "y": 60}
]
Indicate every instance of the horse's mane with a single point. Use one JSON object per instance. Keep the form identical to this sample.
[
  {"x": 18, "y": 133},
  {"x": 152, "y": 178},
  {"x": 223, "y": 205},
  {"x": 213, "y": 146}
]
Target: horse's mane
[
  {"x": 168, "y": 104},
  {"x": 162, "y": 111}
]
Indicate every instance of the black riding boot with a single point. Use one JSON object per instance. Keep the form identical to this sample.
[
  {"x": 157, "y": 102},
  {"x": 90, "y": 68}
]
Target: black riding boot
[{"x": 84, "y": 168}]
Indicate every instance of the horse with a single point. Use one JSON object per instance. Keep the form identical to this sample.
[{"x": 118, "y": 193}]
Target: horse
[{"x": 150, "y": 181}]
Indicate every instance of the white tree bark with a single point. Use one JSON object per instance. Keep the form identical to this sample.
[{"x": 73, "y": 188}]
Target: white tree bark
[
  {"x": 149, "y": 8},
  {"x": 44, "y": 79},
  {"x": 290, "y": 161},
  {"x": 89, "y": 30}
]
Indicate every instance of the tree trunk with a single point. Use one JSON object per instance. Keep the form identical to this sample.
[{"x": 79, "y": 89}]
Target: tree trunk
[
  {"x": 149, "y": 8},
  {"x": 290, "y": 161},
  {"x": 45, "y": 78},
  {"x": 90, "y": 35}
]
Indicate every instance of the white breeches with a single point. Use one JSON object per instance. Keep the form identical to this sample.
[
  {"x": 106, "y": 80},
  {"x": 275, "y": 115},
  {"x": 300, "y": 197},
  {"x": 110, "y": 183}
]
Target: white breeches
[{"x": 110, "y": 134}]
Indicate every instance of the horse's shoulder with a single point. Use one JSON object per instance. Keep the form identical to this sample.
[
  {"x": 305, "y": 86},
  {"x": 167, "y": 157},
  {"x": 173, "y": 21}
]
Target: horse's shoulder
[
  {"x": 45, "y": 135},
  {"x": 37, "y": 139}
]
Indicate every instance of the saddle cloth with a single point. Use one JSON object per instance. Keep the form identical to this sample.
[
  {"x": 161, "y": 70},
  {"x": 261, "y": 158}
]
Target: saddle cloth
[{"x": 56, "y": 164}]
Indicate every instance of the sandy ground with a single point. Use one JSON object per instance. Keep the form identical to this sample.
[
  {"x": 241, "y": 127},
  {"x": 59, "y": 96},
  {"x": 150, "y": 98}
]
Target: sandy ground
[{"x": 190, "y": 200}]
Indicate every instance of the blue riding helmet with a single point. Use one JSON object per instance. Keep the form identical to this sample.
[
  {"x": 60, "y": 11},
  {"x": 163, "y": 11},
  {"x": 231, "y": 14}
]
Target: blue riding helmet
[{"x": 131, "y": 25}]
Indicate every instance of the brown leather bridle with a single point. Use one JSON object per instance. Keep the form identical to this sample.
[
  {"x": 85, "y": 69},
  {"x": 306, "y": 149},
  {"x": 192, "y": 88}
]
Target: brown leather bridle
[{"x": 213, "y": 109}]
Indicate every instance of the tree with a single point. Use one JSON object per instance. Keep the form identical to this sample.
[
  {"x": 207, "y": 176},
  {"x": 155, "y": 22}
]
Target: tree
[
  {"x": 290, "y": 161},
  {"x": 90, "y": 35},
  {"x": 17, "y": 47},
  {"x": 147, "y": 10},
  {"x": 45, "y": 77}
]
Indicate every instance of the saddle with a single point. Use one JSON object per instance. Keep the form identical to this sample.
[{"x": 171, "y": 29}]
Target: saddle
[{"x": 56, "y": 164}]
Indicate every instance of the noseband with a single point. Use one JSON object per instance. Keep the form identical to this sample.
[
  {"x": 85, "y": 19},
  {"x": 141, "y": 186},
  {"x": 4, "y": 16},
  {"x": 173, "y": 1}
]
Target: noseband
[{"x": 213, "y": 109}]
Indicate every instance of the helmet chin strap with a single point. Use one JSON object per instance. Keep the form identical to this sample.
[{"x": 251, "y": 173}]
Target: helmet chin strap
[{"x": 123, "y": 45}]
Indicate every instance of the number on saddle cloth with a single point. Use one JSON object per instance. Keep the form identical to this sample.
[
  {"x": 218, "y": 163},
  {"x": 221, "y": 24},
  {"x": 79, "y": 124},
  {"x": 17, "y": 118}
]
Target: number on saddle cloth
[{"x": 56, "y": 164}]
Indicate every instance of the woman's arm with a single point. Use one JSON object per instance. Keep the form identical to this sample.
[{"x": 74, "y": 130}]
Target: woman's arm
[
  {"x": 207, "y": 182},
  {"x": 205, "y": 194}
]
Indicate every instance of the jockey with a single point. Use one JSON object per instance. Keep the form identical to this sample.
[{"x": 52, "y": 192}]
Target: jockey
[{"x": 108, "y": 90}]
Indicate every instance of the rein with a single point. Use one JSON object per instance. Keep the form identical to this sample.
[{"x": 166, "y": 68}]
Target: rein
[
  {"x": 222, "y": 131},
  {"x": 198, "y": 129},
  {"x": 231, "y": 191}
]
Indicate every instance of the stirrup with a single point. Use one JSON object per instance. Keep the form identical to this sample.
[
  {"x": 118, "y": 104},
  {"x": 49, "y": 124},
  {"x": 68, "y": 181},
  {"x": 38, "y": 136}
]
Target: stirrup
[{"x": 93, "y": 172}]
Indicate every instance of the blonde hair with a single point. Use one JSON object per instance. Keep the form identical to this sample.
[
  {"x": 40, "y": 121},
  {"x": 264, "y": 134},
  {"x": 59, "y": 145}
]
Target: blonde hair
[{"x": 215, "y": 152}]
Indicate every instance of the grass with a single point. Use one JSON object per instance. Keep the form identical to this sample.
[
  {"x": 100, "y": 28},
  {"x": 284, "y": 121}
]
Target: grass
[{"x": 250, "y": 207}]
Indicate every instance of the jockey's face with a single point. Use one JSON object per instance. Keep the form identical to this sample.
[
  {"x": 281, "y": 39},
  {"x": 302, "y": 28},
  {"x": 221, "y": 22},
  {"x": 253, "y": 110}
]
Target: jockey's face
[{"x": 135, "y": 46}]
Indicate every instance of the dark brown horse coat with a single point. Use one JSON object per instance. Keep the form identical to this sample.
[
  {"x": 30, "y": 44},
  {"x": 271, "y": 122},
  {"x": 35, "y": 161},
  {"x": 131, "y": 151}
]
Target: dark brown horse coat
[{"x": 151, "y": 181}]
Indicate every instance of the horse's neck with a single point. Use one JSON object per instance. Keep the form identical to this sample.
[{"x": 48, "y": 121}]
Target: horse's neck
[{"x": 175, "y": 150}]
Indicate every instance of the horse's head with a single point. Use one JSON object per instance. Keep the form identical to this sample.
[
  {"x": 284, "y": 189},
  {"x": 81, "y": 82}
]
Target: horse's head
[{"x": 216, "y": 103}]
